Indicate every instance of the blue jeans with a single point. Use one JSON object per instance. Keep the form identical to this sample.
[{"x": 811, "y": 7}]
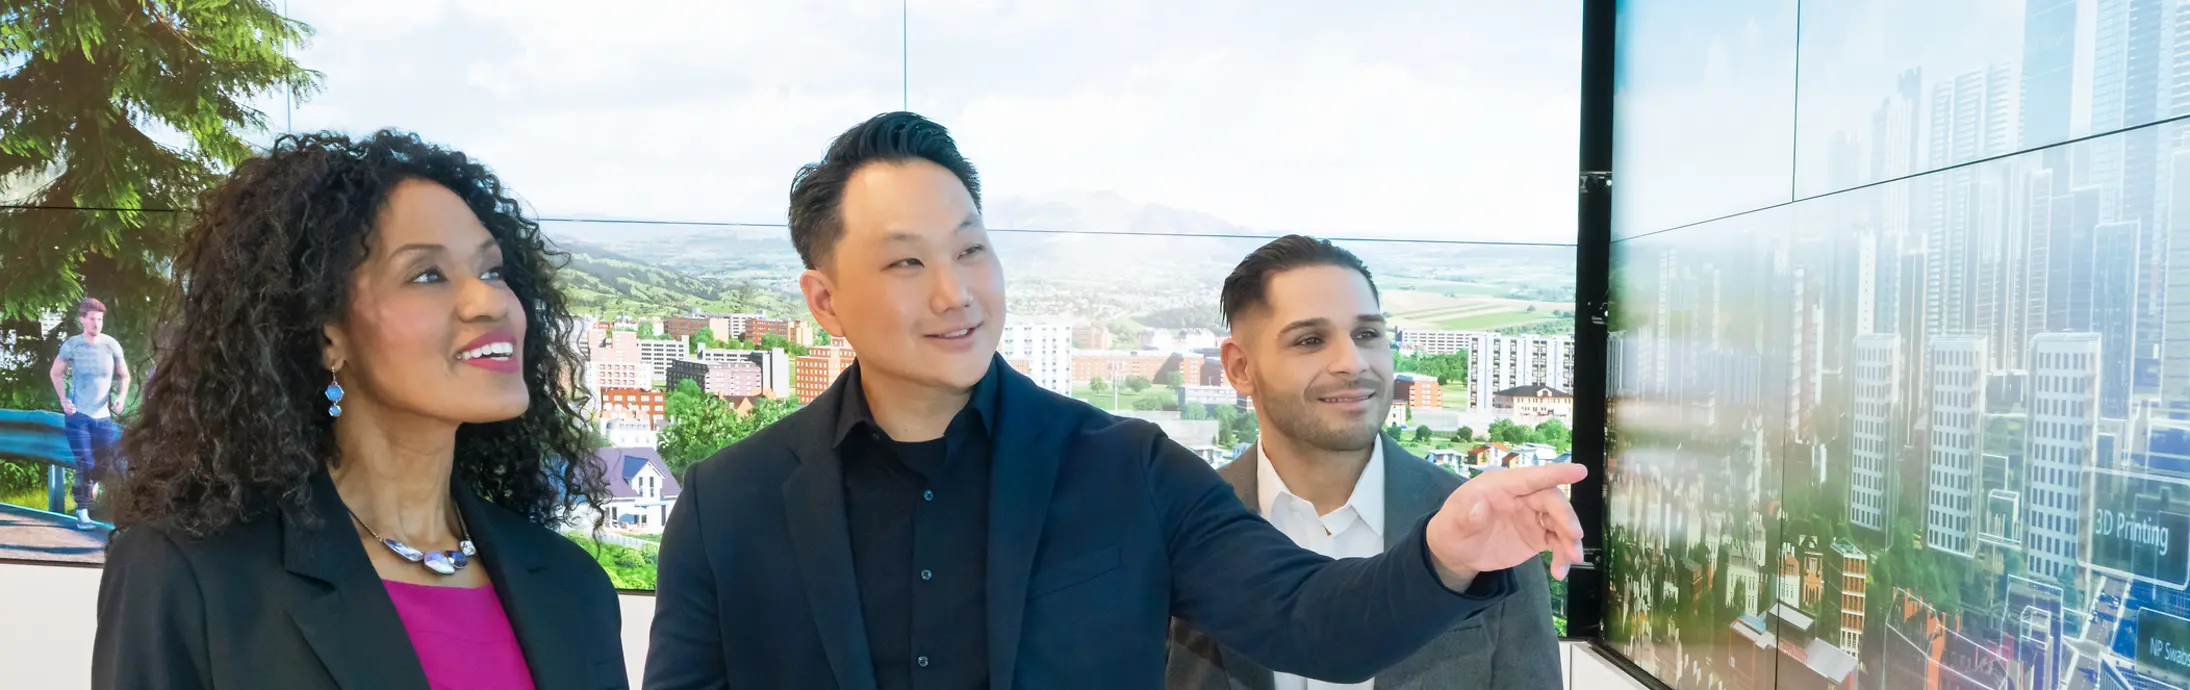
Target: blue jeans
[{"x": 92, "y": 441}]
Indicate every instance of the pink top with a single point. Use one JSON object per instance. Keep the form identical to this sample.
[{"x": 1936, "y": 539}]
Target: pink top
[{"x": 462, "y": 636}]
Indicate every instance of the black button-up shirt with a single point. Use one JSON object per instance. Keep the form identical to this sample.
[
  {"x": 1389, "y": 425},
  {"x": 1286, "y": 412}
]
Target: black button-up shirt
[{"x": 919, "y": 516}]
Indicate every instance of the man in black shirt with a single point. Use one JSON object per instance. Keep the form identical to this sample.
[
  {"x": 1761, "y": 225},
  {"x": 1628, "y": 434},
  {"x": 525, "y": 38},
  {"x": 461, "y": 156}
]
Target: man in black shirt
[{"x": 936, "y": 520}]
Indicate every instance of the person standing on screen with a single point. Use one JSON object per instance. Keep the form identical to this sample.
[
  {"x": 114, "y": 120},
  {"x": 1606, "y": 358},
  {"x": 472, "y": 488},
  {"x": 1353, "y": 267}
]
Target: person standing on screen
[
  {"x": 362, "y": 439},
  {"x": 937, "y": 520},
  {"x": 92, "y": 379},
  {"x": 1309, "y": 341}
]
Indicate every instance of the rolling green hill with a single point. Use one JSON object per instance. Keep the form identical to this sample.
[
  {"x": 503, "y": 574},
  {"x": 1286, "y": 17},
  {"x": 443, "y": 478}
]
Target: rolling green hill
[{"x": 603, "y": 283}]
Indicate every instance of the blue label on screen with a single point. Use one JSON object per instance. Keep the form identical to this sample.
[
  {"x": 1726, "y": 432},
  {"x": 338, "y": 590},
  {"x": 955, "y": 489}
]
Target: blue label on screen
[
  {"x": 2163, "y": 644},
  {"x": 2140, "y": 526}
]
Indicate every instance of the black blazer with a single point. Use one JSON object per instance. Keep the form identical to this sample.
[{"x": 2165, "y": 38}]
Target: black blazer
[
  {"x": 1510, "y": 647},
  {"x": 1100, "y": 530},
  {"x": 266, "y": 604}
]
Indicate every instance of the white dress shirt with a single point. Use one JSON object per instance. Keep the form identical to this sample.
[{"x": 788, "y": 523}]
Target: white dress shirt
[{"x": 1354, "y": 530}]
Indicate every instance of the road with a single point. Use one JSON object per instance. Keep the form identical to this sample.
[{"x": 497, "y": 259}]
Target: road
[{"x": 2088, "y": 654}]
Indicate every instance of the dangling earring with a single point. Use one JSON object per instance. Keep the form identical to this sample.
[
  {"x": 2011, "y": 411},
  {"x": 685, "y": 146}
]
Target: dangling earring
[{"x": 334, "y": 395}]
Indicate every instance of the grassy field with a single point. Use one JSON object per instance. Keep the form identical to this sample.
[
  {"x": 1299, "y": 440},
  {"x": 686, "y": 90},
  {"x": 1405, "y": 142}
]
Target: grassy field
[
  {"x": 1484, "y": 322},
  {"x": 1161, "y": 395},
  {"x": 1463, "y": 307}
]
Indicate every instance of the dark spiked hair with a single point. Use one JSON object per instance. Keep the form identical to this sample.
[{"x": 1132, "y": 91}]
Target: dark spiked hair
[{"x": 817, "y": 192}]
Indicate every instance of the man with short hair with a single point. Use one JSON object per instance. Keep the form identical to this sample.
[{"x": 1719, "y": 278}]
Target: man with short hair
[
  {"x": 937, "y": 520},
  {"x": 1311, "y": 347},
  {"x": 92, "y": 379}
]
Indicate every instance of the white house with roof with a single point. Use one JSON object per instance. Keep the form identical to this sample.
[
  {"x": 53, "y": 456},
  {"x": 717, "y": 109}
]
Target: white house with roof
[{"x": 641, "y": 490}]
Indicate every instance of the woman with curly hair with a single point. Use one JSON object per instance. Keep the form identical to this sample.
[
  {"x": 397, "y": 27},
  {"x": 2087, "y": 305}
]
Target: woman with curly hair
[{"x": 351, "y": 462}]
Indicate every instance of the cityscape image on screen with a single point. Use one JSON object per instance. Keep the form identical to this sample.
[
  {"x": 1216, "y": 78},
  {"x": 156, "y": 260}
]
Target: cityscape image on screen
[
  {"x": 1119, "y": 187},
  {"x": 1927, "y": 425}
]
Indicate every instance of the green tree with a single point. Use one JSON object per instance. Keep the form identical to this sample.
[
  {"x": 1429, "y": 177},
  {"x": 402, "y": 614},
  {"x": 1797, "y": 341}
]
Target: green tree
[
  {"x": 1194, "y": 411},
  {"x": 1170, "y": 378},
  {"x": 699, "y": 425},
  {"x": 1506, "y": 431},
  {"x": 1136, "y": 384},
  {"x": 1097, "y": 385},
  {"x": 646, "y": 330},
  {"x": 770, "y": 342},
  {"x": 1421, "y": 434},
  {"x": 821, "y": 338},
  {"x": 1466, "y": 434},
  {"x": 1553, "y": 432},
  {"x": 85, "y": 85},
  {"x": 627, "y": 568},
  {"x": 1147, "y": 404},
  {"x": 1448, "y": 368}
]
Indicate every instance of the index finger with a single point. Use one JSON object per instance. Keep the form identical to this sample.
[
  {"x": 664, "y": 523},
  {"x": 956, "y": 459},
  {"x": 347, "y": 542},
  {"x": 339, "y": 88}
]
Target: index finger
[{"x": 1528, "y": 480}]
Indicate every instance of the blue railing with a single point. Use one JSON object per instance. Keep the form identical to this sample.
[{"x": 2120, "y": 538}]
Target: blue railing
[{"x": 39, "y": 437}]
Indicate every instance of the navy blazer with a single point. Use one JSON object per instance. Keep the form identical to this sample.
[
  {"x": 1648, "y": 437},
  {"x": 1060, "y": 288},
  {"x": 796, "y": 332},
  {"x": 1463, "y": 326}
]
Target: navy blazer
[{"x": 1101, "y": 530}]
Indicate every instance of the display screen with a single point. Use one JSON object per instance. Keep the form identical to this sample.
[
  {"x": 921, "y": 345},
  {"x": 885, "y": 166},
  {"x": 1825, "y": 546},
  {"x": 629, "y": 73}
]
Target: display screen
[
  {"x": 1123, "y": 179},
  {"x": 1926, "y": 424}
]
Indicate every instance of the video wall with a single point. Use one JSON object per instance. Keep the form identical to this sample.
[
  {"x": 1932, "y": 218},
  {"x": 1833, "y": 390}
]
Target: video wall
[
  {"x": 1918, "y": 416},
  {"x": 1132, "y": 152}
]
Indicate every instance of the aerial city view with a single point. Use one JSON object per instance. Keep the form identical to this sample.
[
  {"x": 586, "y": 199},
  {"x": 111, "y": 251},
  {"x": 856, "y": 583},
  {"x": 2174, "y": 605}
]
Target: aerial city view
[
  {"x": 1930, "y": 427},
  {"x": 696, "y": 337}
]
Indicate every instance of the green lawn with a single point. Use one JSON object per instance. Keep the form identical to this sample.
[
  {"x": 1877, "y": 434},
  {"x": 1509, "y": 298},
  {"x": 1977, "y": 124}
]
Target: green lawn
[
  {"x": 1484, "y": 322},
  {"x": 1442, "y": 287},
  {"x": 1160, "y": 395}
]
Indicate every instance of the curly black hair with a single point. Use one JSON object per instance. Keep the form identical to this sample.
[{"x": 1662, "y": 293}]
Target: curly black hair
[{"x": 233, "y": 422}]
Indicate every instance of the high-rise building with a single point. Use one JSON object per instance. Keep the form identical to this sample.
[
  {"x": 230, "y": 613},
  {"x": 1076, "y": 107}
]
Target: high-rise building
[
  {"x": 1418, "y": 391},
  {"x": 685, "y": 326},
  {"x": 2141, "y": 201},
  {"x": 774, "y": 367},
  {"x": 793, "y": 330},
  {"x": 2037, "y": 243},
  {"x": 2175, "y": 350},
  {"x": 1969, "y": 122},
  {"x": 1497, "y": 361},
  {"x": 813, "y": 373},
  {"x": 635, "y": 404},
  {"x": 1875, "y": 426},
  {"x": 1113, "y": 366},
  {"x": 2114, "y": 288},
  {"x": 736, "y": 377},
  {"x": 1091, "y": 337},
  {"x": 1853, "y": 570},
  {"x": 1956, "y": 369},
  {"x": 2068, "y": 286},
  {"x": 1047, "y": 350},
  {"x": 604, "y": 374},
  {"x": 2066, "y": 387},
  {"x": 2049, "y": 64},
  {"x": 659, "y": 353}
]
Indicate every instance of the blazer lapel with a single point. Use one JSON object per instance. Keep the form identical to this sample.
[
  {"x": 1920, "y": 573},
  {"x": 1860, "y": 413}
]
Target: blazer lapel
[
  {"x": 511, "y": 551},
  {"x": 341, "y": 607},
  {"x": 1244, "y": 473},
  {"x": 1022, "y": 474},
  {"x": 813, "y": 500},
  {"x": 1409, "y": 493}
]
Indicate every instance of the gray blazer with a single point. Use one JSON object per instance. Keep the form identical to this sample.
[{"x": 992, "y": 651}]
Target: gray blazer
[{"x": 1511, "y": 645}]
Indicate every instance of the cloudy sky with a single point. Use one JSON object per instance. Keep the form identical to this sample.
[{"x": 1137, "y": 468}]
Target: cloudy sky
[{"x": 1433, "y": 119}]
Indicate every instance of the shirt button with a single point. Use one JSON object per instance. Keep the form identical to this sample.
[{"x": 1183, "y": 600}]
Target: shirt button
[
  {"x": 923, "y": 661},
  {"x": 927, "y": 495},
  {"x": 927, "y": 574}
]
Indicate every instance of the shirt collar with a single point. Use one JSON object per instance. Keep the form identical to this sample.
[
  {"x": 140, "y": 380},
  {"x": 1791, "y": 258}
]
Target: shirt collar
[
  {"x": 853, "y": 411},
  {"x": 1367, "y": 499}
]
